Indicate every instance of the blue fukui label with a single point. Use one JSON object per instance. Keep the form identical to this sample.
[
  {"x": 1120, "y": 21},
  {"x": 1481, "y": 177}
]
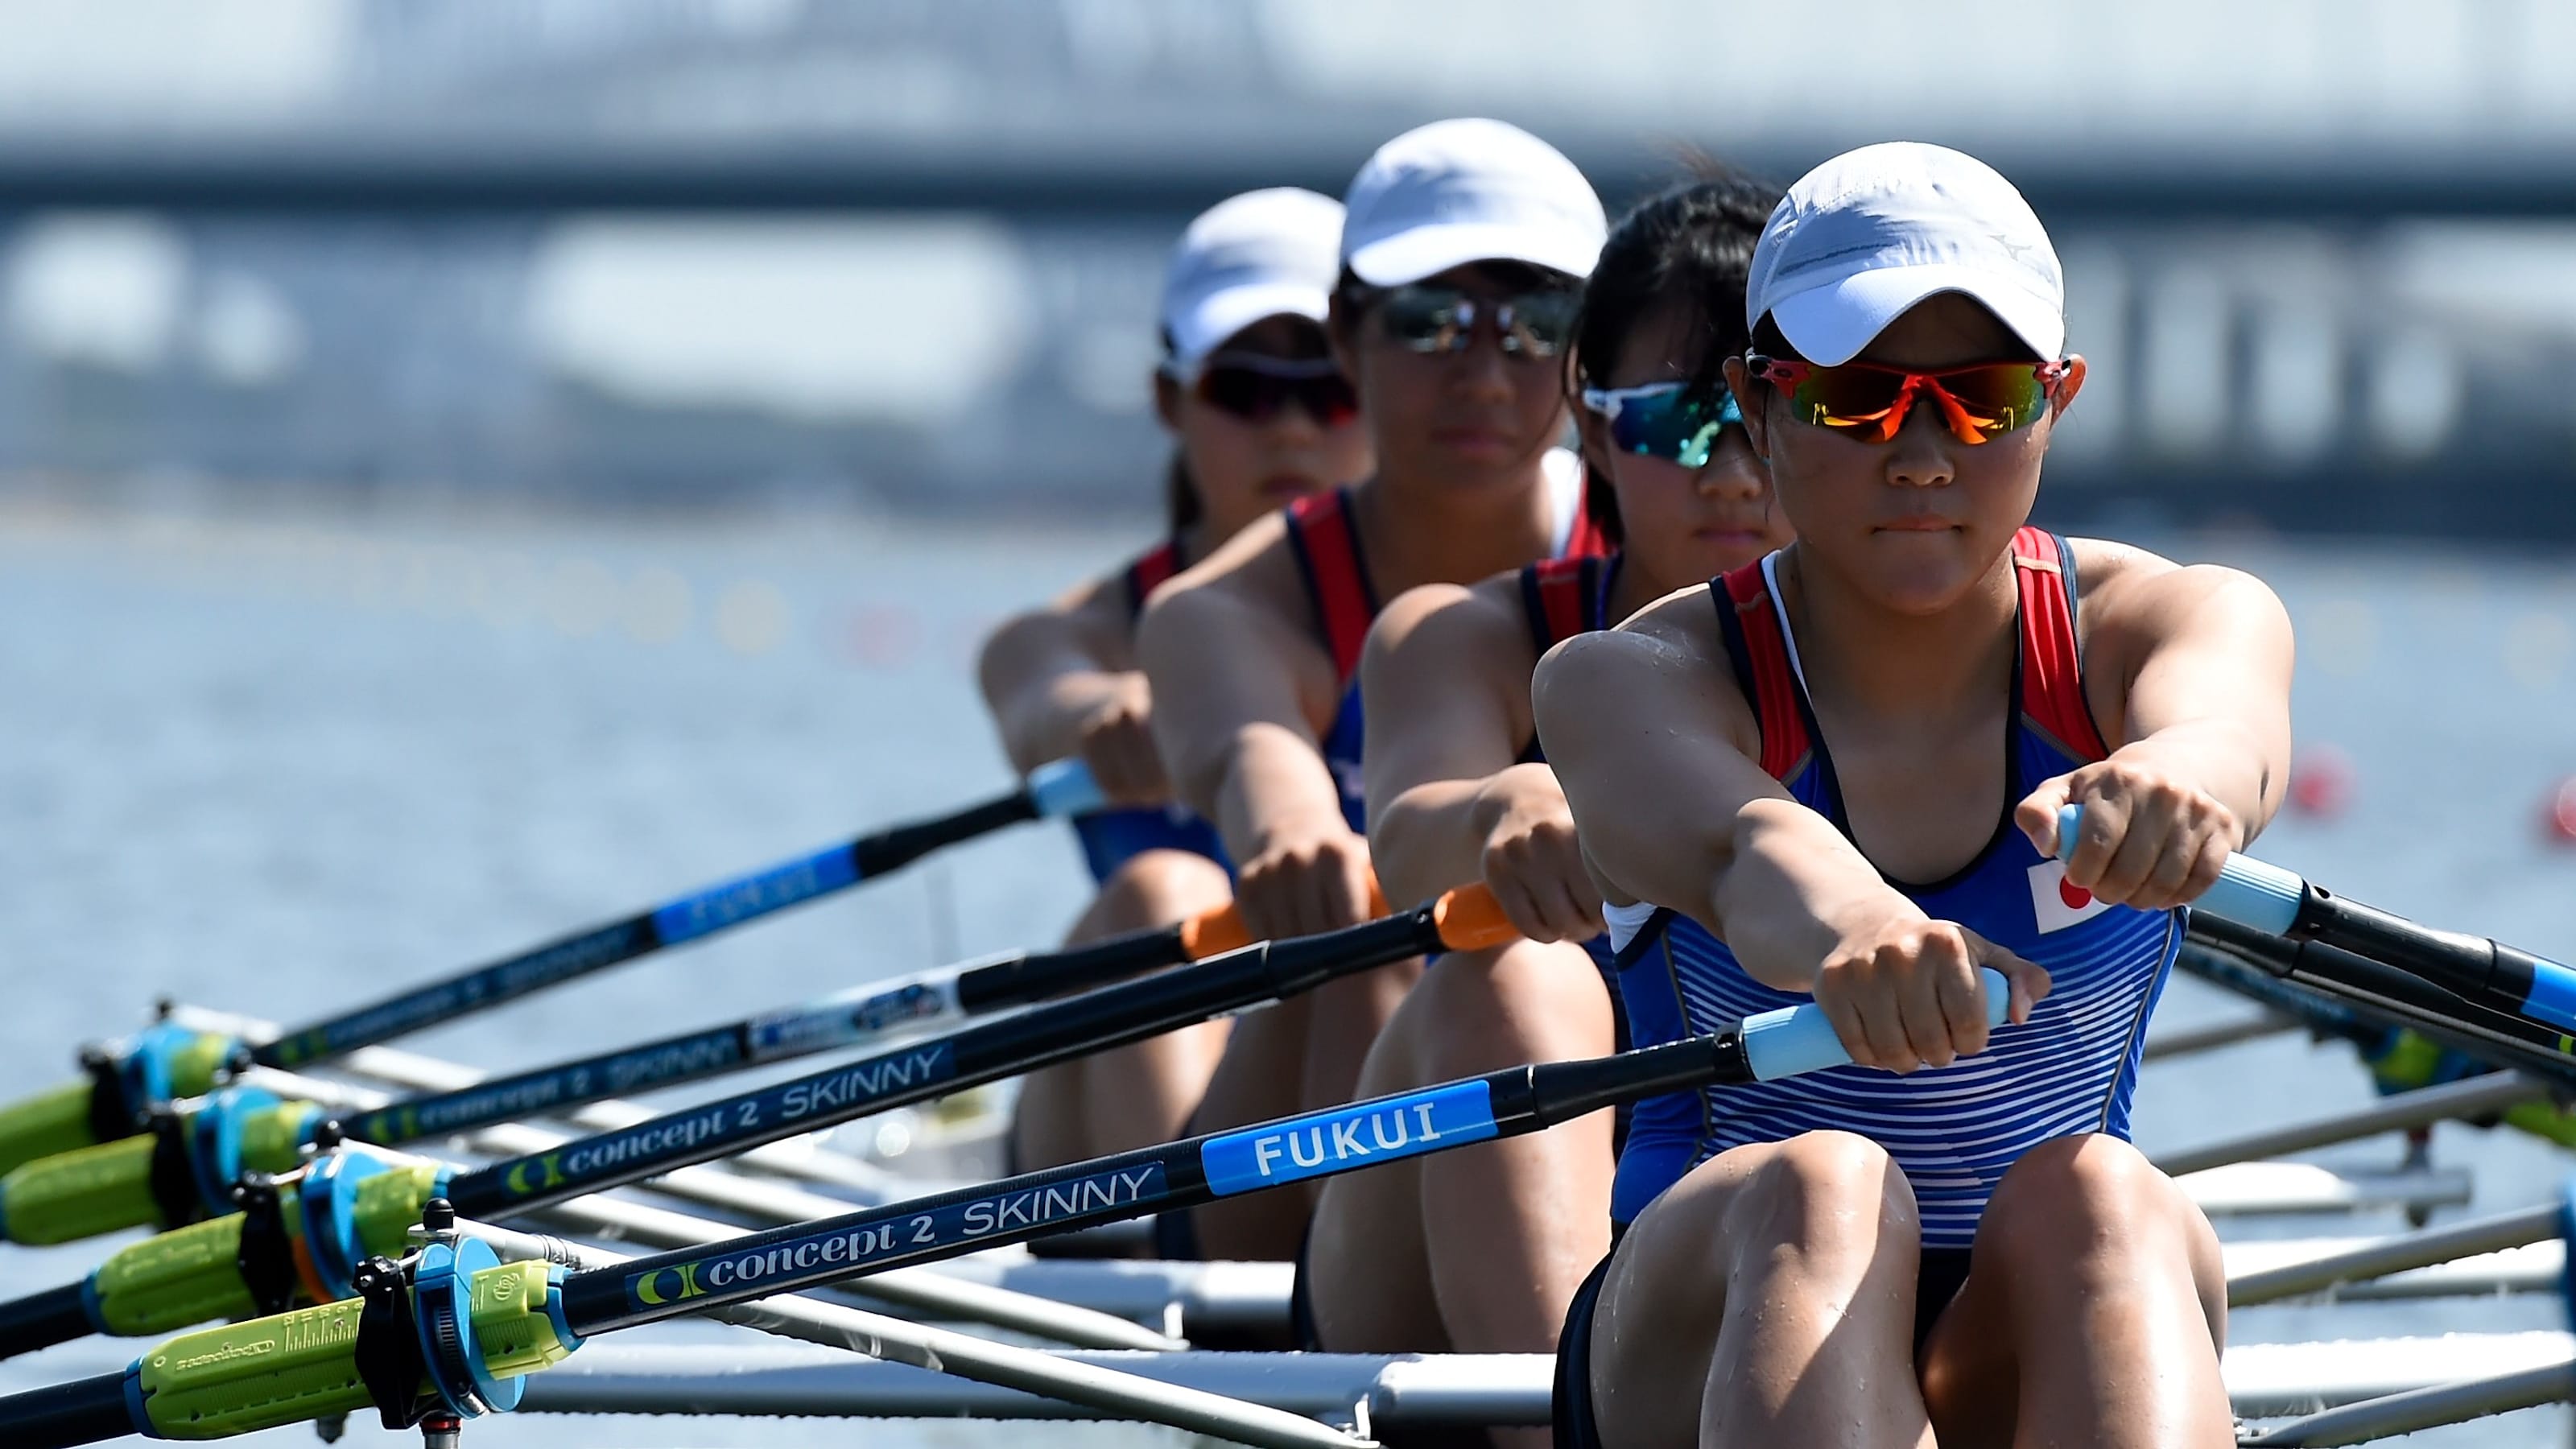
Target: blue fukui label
[
  {"x": 757, "y": 894},
  {"x": 837, "y": 1250},
  {"x": 1347, "y": 1137}
]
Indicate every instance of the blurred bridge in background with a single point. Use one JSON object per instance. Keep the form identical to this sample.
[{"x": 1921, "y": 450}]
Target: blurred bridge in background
[{"x": 2323, "y": 255}]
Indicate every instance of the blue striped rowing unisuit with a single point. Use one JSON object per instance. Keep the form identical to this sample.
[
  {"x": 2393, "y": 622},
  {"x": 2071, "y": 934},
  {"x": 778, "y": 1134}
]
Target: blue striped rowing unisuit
[{"x": 1953, "y": 1130}]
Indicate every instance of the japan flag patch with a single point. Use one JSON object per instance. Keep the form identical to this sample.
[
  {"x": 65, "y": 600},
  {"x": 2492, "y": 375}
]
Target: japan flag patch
[{"x": 2055, "y": 903}]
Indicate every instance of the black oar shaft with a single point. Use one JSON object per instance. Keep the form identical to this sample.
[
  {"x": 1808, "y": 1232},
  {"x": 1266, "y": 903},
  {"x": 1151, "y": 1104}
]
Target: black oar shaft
[
  {"x": 2351, "y": 995},
  {"x": 699, "y": 914},
  {"x": 1097, "y": 1020},
  {"x": 1173, "y": 1176},
  {"x": 772, "y": 1036}
]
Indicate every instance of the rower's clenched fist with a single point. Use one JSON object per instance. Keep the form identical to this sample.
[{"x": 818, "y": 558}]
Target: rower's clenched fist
[
  {"x": 1116, "y": 740},
  {"x": 2150, "y": 837},
  {"x": 1532, "y": 862},
  {"x": 1305, "y": 882},
  {"x": 1902, "y": 990}
]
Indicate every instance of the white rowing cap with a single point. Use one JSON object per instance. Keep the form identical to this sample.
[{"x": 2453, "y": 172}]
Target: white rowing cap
[
  {"x": 1268, "y": 253},
  {"x": 1469, "y": 190},
  {"x": 1871, "y": 232}
]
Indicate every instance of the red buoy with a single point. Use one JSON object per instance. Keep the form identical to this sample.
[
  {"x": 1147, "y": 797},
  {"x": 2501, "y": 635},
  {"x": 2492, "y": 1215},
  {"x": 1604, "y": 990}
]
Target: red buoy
[
  {"x": 2561, "y": 816},
  {"x": 2321, "y": 781}
]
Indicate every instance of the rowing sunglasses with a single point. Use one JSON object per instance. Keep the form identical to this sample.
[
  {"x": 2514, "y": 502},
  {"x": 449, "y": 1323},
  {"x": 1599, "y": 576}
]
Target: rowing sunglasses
[
  {"x": 1443, "y": 319},
  {"x": 1256, "y": 388},
  {"x": 1674, "y": 421},
  {"x": 1980, "y": 403}
]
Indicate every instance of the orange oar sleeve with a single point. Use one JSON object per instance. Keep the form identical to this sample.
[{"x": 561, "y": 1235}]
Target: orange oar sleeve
[
  {"x": 1471, "y": 919},
  {"x": 1214, "y": 932}
]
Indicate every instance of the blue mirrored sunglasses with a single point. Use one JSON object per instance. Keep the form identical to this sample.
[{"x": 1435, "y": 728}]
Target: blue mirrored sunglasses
[{"x": 1675, "y": 421}]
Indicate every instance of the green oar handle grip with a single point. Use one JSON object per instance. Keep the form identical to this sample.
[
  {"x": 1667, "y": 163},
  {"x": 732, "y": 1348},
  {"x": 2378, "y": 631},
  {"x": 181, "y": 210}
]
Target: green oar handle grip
[
  {"x": 52, "y": 1121},
  {"x": 188, "y": 1275},
  {"x": 302, "y": 1365},
  {"x": 75, "y": 1195},
  {"x": 161, "y": 1065},
  {"x": 102, "y": 1189},
  {"x": 259, "y": 1374}
]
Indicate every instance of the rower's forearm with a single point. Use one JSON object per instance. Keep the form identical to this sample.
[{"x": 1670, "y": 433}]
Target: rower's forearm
[
  {"x": 1273, "y": 785},
  {"x": 1788, "y": 890},
  {"x": 1431, "y": 838},
  {"x": 1041, "y": 719}
]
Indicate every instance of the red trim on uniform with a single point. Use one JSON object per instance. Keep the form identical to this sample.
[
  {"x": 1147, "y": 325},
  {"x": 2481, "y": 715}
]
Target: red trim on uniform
[
  {"x": 1775, "y": 684},
  {"x": 1341, "y": 596},
  {"x": 1562, "y": 584},
  {"x": 1585, "y": 539},
  {"x": 2052, "y": 668},
  {"x": 1149, "y": 572}
]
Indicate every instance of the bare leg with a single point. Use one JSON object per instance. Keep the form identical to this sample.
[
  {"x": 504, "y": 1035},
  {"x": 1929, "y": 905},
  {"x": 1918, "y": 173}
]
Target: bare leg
[
  {"x": 2094, "y": 1311},
  {"x": 1478, "y": 1250},
  {"x": 1766, "y": 1299},
  {"x": 1138, "y": 1095}
]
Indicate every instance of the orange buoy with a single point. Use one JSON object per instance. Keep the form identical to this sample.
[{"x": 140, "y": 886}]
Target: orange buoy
[
  {"x": 2561, "y": 816},
  {"x": 2321, "y": 781}
]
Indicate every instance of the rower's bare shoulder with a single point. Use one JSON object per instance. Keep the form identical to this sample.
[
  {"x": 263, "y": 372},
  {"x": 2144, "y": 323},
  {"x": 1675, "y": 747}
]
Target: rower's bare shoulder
[
  {"x": 1256, "y": 569},
  {"x": 1673, "y": 638},
  {"x": 1435, "y": 619},
  {"x": 2123, "y": 585},
  {"x": 2137, "y": 605},
  {"x": 1669, "y": 655}
]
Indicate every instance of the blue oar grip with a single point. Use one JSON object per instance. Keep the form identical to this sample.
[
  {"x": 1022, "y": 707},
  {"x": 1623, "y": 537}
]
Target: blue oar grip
[
  {"x": 2252, "y": 893},
  {"x": 1798, "y": 1039},
  {"x": 2552, "y": 997},
  {"x": 1063, "y": 788}
]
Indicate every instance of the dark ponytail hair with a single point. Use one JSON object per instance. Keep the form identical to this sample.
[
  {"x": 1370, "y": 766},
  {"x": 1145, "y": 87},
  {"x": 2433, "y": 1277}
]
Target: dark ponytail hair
[{"x": 1689, "y": 247}]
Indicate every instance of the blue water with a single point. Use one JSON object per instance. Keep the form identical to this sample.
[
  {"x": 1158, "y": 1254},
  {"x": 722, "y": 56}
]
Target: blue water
[{"x": 281, "y": 761}]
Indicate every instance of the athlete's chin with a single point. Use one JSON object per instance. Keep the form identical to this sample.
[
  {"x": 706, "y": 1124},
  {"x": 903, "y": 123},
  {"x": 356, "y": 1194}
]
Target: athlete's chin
[{"x": 1919, "y": 571}]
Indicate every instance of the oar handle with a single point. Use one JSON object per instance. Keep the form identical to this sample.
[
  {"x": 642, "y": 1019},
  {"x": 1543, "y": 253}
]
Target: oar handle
[
  {"x": 1794, "y": 1039},
  {"x": 1220, "y": 929},
  {"x": 1061, "y": 789},
  {"x": 2249, "y": 892},
  {"x": 2267, "y": 898}
]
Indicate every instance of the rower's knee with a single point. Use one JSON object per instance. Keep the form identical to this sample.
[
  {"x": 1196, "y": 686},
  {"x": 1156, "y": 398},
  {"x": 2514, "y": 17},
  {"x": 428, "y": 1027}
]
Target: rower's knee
[
  {"x": 2085, "y": 1200},
  {"x": 1154, "y": 888},
  {"x": 1828, "y": 1197},
  {"x": 1476, "y": 1011}
]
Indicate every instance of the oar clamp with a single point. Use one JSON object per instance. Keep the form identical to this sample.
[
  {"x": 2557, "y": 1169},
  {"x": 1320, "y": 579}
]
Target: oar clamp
[
  {"x": 266, "y": 1258},
  {"x": 328, "y": 1199},
  {"x": 173, "y": 1179},
  {"x": 416, "y": 1351}
]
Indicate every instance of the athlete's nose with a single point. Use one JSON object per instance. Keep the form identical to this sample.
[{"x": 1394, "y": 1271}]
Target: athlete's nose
[{"x": 1920, "y": 456}]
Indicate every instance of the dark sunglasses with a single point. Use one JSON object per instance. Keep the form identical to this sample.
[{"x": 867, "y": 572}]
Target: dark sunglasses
[
  {"x": 1675, "y": 421},
  {"x": 1979, "y": 403},
  {"x": 1443, "y": 319},
  {"x": 1256, "y": 388}
]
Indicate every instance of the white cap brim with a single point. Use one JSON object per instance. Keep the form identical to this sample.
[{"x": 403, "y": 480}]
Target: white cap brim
[
  {"x": 1424, "y": 251},
  {"x": 1221, "y": 314},
  {"x": 1831, "y": 323}
]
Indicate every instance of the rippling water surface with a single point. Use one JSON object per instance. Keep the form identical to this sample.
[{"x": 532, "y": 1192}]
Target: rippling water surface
[{"x": 283, "y": 762}]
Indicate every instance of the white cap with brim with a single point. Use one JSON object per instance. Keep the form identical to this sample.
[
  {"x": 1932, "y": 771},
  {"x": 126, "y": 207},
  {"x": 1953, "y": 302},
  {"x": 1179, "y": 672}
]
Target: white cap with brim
[
  {"x": 1872, "y": 232},
  {"x": 1263, "y": 254},
  {"x": 1455, "y": 192}
]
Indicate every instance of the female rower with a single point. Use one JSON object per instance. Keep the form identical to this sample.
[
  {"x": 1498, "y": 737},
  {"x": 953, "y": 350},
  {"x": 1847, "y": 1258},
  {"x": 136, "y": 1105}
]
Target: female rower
[
  {"x": 1789, "y": 784},
  {"x": 1479, "y": 1250},
  {"x": 1462, "y": 249},
  {"x": 1260, "y": 416}
]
